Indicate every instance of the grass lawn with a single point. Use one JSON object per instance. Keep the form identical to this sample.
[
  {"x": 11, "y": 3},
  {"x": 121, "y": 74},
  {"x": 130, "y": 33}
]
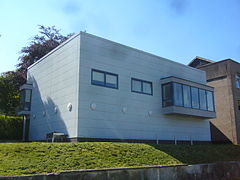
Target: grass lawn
[{"x": 33, "y": 158}]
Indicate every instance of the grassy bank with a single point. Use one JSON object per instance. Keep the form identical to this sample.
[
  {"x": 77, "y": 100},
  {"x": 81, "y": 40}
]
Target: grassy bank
[{"x": 32, "y": 158}]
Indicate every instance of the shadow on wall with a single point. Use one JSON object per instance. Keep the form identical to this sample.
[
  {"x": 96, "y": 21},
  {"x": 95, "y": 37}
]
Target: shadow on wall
[
  {"x": 217, "y": 136},
  {"x": 46, "y": 115}
]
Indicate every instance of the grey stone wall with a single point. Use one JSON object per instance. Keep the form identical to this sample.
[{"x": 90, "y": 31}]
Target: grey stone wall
[{"x": 213, "y": 171}]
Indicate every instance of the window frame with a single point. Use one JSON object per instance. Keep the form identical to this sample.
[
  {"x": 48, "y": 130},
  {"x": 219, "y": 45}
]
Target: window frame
[
  {"x": 237, "y": 80},
  {"x": 238, "y": 104},
  {"x": 22, "y": 100},
  {"x": 174, "y": 95},
  {"x": 198, "y": 100},
  {"x": 190, "y": 93},
  {"x": 103, "y": 84},
  {"x": 213, "y": 101},
  {"x": 172, "y": 98},
  {"x": 141, "y": 81}
]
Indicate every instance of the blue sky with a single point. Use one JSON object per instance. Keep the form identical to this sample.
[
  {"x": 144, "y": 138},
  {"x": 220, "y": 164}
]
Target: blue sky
[{"x": 175, "y": 29}]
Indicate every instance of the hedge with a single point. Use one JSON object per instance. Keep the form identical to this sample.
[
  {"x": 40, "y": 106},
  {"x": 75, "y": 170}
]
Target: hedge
[{"x": 10, "y": 128}]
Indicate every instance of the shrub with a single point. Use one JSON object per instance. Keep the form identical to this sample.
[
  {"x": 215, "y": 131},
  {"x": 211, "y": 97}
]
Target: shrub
[{"x": 10, "y": 128}]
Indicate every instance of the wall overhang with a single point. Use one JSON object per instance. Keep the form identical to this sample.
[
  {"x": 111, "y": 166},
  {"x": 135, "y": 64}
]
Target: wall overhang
[
  {"x": 25, "y": 86},
  {"x": 186, "y": 82},
  {"x": 188, "y": 112}
]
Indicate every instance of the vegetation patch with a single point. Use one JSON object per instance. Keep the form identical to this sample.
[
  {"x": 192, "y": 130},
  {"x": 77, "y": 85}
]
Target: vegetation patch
[
  {"x": 34, "y": 158},
  {"x": 10, "y": 128}
]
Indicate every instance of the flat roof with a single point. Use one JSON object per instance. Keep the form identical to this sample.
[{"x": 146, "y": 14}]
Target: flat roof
[{"x": 90, "y": 35}]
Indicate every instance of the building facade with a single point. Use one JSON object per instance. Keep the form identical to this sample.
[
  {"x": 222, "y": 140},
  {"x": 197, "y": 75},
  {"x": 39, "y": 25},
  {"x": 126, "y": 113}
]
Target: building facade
[
  {"x": 224, "y": 76},
  {"x": 91, "y": 88}
]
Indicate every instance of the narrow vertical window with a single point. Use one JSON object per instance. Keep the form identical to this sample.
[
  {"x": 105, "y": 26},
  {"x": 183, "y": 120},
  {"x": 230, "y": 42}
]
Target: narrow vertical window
[
  {"x": 167, "y": 94},
  {"x": 25, "y": 99},
  {"x": 195, "y": 98},
  {"x": 202, "y": 99},
  {"x": 178, "y": 94},
  {"x": 186, "y": 96},
  {"x": 237, "y": 77},
  {"x": 210, "y": 102}
]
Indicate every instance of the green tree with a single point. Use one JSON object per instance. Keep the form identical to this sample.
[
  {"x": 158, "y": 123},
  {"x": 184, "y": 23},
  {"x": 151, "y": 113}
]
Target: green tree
[
  {"x": 48, "y": 39},
  {"x": 10, "y": 82},
  {"x": 9, "y": 91}
]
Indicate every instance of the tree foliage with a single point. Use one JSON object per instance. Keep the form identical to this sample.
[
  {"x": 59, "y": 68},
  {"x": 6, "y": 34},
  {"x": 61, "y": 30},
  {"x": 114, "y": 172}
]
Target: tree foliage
[
  {"x": 40, "y": 45},
  {"x": 10, "y": 83}
]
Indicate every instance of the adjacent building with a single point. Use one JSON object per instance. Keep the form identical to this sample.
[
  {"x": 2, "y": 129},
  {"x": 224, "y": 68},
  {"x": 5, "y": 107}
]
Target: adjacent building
[
  {"x": 94, "y": 89},
  {"x": 224, "y": 76}
]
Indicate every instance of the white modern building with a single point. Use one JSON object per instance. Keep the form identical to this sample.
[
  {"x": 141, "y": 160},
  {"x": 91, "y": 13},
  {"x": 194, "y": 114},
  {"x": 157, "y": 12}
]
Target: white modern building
[{"x": 91, "y": 88}]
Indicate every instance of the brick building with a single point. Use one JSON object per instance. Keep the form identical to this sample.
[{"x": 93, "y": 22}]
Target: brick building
[{"x": 224, "y": 76}]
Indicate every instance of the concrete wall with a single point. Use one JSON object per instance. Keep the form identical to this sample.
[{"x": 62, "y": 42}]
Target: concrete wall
[
  {"x": 221, "y": 75},
  {"x": 143, "y": 118},
  {"x": 214, "y": 171},
  {"x": 55, "y": 78},
  {"x": 235, "y": 69}
]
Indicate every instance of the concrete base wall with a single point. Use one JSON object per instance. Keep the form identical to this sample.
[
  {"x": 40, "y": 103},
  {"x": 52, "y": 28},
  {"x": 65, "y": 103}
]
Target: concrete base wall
[{"x": 214, "y": 171}]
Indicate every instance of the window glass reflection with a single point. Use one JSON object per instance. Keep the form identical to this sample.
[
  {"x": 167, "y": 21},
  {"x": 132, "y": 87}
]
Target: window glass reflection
[
  {"x": 203, "y": 99},
  {"x": 210, "y": 101},
  {"x": 178, "y": 98},
  {"x": 186, "y": 96},
  {"x": 195, "y": 98}
]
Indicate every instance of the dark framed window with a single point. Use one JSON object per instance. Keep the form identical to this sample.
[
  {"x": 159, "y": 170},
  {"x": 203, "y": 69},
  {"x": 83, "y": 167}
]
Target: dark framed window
[
  {"x": 187, "y": 99},
  {"x": 176, "y": 94},
  {"x": 210, "y": 101},
  {"x": 141, "y": 86},
  {"x": 167, "y": 96},
  {"x": 238, "y": 104},
  {"x": 202, "y": 99},
  {"x": 105, "y": 79},
  {"x": 25, "y": 100},
  {"x": 237, "y": 77},
  {"x": 195, "y": 98}
]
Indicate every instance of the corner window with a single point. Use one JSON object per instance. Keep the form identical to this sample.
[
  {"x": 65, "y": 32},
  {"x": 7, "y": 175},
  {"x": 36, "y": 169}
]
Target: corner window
[
  {"x": 237, "y": 77},
  {"x": 167, "y": 94},
  {"x": 106, "y": 79},
  {"x": 25, "y": 100},
  {"x": 176, "y": 94},
  {"x": 141, "y": 86}
]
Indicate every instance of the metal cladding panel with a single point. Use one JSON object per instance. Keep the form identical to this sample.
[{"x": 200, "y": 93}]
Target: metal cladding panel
[
  {"x": 55, "y": 85},
  {"x": 120, "y": 113}
]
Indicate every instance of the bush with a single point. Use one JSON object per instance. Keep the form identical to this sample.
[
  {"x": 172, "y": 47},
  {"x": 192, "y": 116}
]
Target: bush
[{"x": 11, "y": 128}]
